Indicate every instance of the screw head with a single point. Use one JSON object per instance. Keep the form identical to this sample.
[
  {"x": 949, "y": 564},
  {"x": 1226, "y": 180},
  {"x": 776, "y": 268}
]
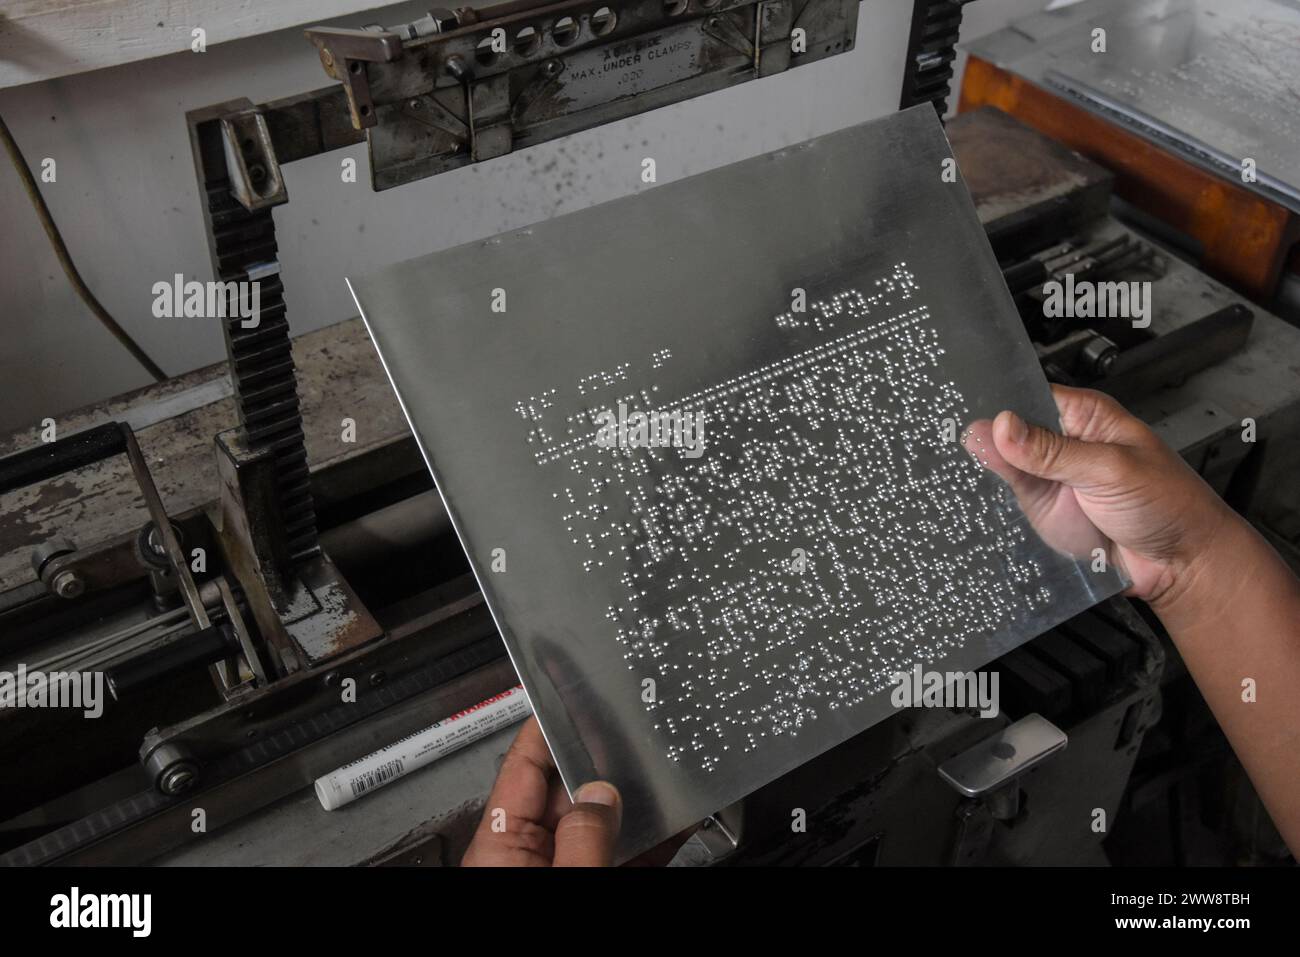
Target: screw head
[{"x": 68, "y": 584}]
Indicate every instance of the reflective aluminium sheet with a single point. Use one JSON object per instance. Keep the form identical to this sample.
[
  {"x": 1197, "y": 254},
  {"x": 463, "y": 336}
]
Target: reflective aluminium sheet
[
  {"x": 697, "y": 606},
  {"x": 1217, "y": 81}
]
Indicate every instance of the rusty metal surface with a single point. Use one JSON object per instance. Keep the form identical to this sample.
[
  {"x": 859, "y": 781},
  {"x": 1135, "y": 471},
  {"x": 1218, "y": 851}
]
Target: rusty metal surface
[
  {"x": 450, "y": 99},
  {"x": 1213, "y": 81},
  {"x": 1014, "y": 172},
  {"x": 339, "y": 377}
]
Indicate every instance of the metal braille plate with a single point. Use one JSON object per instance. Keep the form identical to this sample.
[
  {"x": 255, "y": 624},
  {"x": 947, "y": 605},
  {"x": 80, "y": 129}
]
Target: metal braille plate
[
  {"x": 1214, "y": 81},
  {"x": 692, "y": 627}
]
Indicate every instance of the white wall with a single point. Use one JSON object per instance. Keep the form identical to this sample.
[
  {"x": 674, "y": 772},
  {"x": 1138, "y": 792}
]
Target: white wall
[{"x": 128, "y": 205}]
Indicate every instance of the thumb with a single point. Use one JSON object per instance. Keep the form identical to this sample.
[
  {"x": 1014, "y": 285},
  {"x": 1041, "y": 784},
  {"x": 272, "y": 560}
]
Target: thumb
[
  {"x": 585, "y": 837},
  {"x": 1049, "y": 455}
]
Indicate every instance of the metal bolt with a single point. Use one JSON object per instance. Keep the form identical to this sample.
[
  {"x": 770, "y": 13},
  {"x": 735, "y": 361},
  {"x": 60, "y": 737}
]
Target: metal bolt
[
  {"x": 177, "y": 779},
  {"x": 68, "y": 584},
  {"x": 455, "y": 66},
  {"x": 377, "y": 679}
]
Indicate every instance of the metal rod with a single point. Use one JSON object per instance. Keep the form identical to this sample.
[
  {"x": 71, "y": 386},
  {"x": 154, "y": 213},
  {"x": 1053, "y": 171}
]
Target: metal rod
[{"x": 158, "y": 513}]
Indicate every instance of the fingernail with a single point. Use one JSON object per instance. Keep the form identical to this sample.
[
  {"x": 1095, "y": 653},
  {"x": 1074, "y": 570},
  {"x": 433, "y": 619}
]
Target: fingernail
[
  {"x": 1017, "y": 430},
  {"x": 597, "y": 792}
]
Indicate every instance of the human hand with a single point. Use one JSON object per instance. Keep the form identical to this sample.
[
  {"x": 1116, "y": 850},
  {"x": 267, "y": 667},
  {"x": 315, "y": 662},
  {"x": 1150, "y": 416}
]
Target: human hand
[
  {"x": 529, "y": 820},
  {"x": 1227, "y": 599},
  {"x": 1108, "y": 470}
]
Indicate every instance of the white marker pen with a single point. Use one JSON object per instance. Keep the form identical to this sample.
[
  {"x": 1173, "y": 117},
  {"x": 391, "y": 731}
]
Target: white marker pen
[{"x": 346, "y": 784}]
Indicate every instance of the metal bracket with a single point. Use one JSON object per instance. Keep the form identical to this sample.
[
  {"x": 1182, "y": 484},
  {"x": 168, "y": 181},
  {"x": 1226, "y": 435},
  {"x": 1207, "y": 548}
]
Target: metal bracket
[
  {"x": 305, "y": 611},
  {"x": 250, "y": 159},
  {"x": 724, "y": 28},
  {"x": 345, "y": 53}
]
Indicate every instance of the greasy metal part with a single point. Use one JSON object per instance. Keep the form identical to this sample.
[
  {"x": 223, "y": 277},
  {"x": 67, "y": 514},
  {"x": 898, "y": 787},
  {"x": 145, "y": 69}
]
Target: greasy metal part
[
  {"x": 250, "y": 159},
  {"x": 213, "y": 644},
  {"x": 304, "y": 610},
  {"x": 721, "y": 833},
  {"x": 1203, "y": 154},
  {"x": 520, "y": 74},
  {"x": 103, "y": 650},
  {"x": 345, "y": 54},
  {"x": 1171, "y": 358},
  {"x": 67, "y": 584},
  {"x": 77, "y": 451},
  {"x": 437, "y": 20},
  {"x": 180, "y": 565},
  {"x": 249, "y": 650},
  {"x": 46, "y": 551},
  {"x": 64, "y": 582},
  {"x": 307, "y": 124},
  {"x": 172, "y": 769},
  {"x": 1028, "y": 190},
  {"x": 973, "y": 834},
  {"x": 45, "y": 460},
  {"x": 1098, "y": 355},
  {"x": 275, "y": 764},
  {"x": 997, "y": 761},
  {"x": 1212, "y": 81},
  {"x": 931, "y": 49},
  {"x": 1153, "y": 364},
  {"x": 671, "y": 570},
  {"x": 115, "y": 561},
  {"x": 262, "y": 371},
  {"x": 375, "y": 535}
]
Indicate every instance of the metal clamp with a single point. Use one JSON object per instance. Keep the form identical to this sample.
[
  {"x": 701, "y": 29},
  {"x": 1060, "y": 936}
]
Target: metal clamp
[{"x": 345, "y": 53}]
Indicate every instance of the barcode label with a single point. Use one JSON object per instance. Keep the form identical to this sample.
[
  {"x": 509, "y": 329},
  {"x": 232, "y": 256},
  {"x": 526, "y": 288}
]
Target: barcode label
[{"x": 376, "y": 776}]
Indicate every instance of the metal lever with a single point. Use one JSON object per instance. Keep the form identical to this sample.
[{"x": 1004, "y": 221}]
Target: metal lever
[
  {"x": 988, "y": 776},
  {"x": 995, "y": 763}
]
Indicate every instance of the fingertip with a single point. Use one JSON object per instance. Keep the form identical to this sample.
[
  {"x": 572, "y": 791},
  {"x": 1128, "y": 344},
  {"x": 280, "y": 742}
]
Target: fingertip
[
  {"x": 598, "y": 792},
  {"x": 1010, "y": 429},
  {"x": 586, "y": 836}
]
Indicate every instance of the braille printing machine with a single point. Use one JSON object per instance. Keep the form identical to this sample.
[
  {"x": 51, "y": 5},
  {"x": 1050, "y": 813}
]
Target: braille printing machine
[{"x": 327, "y": 563}]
